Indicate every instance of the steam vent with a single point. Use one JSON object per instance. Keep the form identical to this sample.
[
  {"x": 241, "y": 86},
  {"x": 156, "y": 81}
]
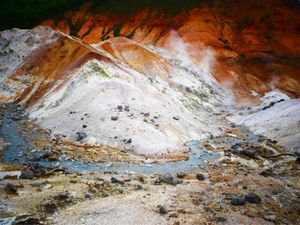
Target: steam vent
[{"x": 150, "y": 112}]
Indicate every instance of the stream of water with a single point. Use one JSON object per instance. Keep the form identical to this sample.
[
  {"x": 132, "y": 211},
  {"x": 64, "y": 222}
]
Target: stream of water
[{"x": 14, "y": 153}]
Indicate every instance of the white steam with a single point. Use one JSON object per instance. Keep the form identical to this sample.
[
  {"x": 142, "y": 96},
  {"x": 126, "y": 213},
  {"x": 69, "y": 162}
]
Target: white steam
[{"x": 197, "y": 58}]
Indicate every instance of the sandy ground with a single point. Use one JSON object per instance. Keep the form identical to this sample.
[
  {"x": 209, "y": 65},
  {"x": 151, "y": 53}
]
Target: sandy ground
[{"x": 136, "y": 208}]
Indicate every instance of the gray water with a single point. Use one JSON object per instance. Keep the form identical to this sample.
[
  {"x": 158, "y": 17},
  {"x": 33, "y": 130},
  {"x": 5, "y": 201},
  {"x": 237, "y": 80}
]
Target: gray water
[
  {"x": 15, "y": 153},
  {"x": 17, "y": 145}
]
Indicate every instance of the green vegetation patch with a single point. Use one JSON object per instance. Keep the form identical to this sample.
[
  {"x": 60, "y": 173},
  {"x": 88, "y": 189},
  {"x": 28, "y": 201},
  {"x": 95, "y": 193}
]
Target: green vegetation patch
[{"x": 96, "y": 68}]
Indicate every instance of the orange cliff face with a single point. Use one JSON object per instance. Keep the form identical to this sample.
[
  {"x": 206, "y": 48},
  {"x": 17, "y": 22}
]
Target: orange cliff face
[
  {"x": 256, "y": 44},
  {"x": 137, "y": 57},
  {"x": 49, "y": 68}
]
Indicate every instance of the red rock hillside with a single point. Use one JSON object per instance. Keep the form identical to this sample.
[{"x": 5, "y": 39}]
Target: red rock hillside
[{"x": 256, "y": 43}]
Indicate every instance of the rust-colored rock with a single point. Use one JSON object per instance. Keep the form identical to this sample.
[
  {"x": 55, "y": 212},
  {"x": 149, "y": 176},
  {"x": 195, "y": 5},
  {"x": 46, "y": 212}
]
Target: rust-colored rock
[{"x": 256, "y": 49}]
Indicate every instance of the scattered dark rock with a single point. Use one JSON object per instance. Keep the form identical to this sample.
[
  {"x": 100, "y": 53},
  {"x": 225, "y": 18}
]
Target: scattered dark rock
[
  {"x": 73, "y": 181},
  {"x": 114, "y": 118},
  {"x": 220, "y": 219},
  {"x": 10, "y": 177},
  {"x": 298, "y": 160},
  {"x": 250, "y": 153},
  {"x": 40, "y": 170},
  {"x": 116, "y": 181},
  {"x": 26, "y": 220},
  {"x": 126, "y": 108},
  {"x": 235, "y": 146},
  {"x": 141, "y": 179},
  {"x": 253, "y": 198},
  {"x": 187, "y": 89},
  {"x": 63, "y": 197},
  {"x": 27, "y": 174},
  {"x": 16, "y": 117},
  {"x": 181, "y": 175},
  {"x": 138, "y": 187},
  {"x": 238, "y": 201},
  {"x": 50, "y": 207},
  {"x": 271, "y": 141},
  {"x": 84, "y": 126},
  {"x": 120, "y": 108},
  {"x": 200, "y": 177},
  {"x": 129, "y": 141},
  {"x": 266, "y": 172},
  {"x": 176, "y": 117},
  {"x": 88, "y": 196},
  {"x": 269, "y": 106},
  {"x": 126, "y": 150},
  {"x": 272, "y": 104},
  {"x": 10, "y": 188},
  {"x": 173, "y": 215},
  {"x": 50, "y": 156},
  {"x": 169, "y": 179},
  {"x": 162, "y": 210},
  {"x": 80, "y": 135}
]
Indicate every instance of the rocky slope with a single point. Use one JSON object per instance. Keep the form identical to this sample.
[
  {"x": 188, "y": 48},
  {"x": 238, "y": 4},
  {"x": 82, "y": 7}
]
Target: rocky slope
[
  {"x": 249, "y": 39},
  {"x": 117, "y": 93},
  {"x": 158, "y": 116}
]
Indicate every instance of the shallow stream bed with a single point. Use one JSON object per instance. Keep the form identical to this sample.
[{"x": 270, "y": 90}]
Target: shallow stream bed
[{"x": 18, "y": 149}]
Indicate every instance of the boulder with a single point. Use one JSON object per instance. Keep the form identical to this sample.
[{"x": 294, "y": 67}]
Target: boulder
[
  {"x": 181, "y": 175},
  {"x": 116, "y": 181},
  {"x": 250, "y": 153},
  {"x": 162, "y": 210},
  {"x": 27, "y": 174},
  {"x": 238, "y": 201},
  {"x": 169, "y": 179},
  {"x": 114, "y": 118},
  {"x": 11, "y": 188},
  {"x": 80, "y": 135},
  {"x": 200, "y": 177},
  {"x": 253, "y": 198}
]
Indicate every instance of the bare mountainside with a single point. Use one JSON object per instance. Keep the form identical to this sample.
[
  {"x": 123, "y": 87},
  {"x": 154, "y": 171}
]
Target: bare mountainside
[
  {"x": 153, "y": 115},
  {"x": 256, "y": 43}
]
